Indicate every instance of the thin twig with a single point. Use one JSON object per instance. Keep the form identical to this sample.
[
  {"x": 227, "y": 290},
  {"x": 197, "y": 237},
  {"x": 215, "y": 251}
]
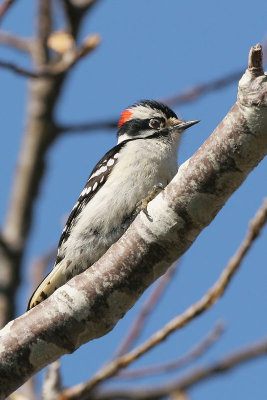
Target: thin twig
[
  {"x": 148, "y": 306},
  {"x": 172, "y": 101},
  {"x": 68, "y": 61},
  {"x": 188, "y": 380},
  {"x": 88, "y": 126},
  {"x": 5, "y": 7},
  {"x": 196, "y": 309},
  {"x": 17, "y": 42},
  {"x": 44, "y": 28},
  {"x": 19, "y": 70},
  {"x": 52, "y": 385},
  {"x": 200, "y": 90},
  {"x": 198, "y": 350}
]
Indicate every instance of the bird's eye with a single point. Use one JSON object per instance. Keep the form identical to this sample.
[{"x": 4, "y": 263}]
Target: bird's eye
[{"x": 154, "y": 123}]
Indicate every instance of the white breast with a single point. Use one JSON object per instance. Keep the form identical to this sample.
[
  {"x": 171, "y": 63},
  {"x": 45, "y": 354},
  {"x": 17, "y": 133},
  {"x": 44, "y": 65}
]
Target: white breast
[{"x": 141, "y": 165}]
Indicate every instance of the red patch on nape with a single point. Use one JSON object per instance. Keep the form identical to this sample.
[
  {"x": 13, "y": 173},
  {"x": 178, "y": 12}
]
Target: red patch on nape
[{"x": 125, "y": 116}]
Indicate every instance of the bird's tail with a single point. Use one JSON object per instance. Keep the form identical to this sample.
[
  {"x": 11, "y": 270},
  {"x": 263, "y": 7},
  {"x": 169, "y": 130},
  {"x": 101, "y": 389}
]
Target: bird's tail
[{"x": 51, "y": 282}]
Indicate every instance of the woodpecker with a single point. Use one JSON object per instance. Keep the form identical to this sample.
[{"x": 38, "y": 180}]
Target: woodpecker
[{"x": 144, "y": 157}]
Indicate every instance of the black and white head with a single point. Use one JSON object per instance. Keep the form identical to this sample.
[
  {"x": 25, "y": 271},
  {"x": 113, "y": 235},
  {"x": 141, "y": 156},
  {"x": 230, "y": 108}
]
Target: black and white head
[{"x": 148, "y": 118}]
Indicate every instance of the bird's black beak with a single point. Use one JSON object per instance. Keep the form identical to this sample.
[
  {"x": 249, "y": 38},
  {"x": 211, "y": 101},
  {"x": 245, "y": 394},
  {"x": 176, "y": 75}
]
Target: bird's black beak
[{"x": 184, "y": 125}]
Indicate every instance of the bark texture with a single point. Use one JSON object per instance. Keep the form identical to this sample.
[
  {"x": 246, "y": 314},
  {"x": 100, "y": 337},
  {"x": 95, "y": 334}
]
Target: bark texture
[{"x": 92, "y": 303}]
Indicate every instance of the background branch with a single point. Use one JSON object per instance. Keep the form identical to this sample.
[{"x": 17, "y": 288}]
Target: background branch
[
  {"x": 198, "y": 350},
  {"x": 17, "y": 42},
  {"x": 194, "y": 377},
  {"x": 184, "y": 97},
  {"x": 40, "y": 134},
  {"x": 4, "y": 7},
  {"x": 146, "y": 309}
]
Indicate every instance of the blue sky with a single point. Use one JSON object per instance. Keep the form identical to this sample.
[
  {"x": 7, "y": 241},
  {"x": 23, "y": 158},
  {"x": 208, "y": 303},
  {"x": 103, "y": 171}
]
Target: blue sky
[{"x": 152, "y": 49}]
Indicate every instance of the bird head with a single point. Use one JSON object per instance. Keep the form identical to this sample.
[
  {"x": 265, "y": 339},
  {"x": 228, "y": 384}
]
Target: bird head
[{"x": 149, "y": 118}]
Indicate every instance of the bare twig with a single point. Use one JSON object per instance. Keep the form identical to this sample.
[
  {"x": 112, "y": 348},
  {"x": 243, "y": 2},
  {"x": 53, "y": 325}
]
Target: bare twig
[
  {"x": 187, "y": 381},
  {"x": 196, "y": 309},
  {"x": 75, "y": 12},
  {"x": 90, "y": 43},
  {"x": 172, "y": 101},
  {"x": 88, "y": 126},
  {"x": 200, "y": 90},
  {"x": 181, "y": 362},
  {"x": 178, "y": 395},
  {"x": 17, "y": 42},
  {"x": 5, "y": 6},
  {"x": 68, "y": 61},
  {"x": 255, "y": 60},
  {"x": 44, "y": 28},
  {"x": 18, "y": 70},
  {"x": 146, "y": 309},
  {"x": 52, "y": 385}
]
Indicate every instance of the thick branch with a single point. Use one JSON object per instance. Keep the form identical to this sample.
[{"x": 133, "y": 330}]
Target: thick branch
[
  {"x": 90, "y": 304},
  {"x": 211, "y": 296}
]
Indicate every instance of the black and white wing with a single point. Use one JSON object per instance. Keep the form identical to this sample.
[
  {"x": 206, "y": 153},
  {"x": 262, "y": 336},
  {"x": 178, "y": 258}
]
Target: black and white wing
[{"x": 95, "y": 181}]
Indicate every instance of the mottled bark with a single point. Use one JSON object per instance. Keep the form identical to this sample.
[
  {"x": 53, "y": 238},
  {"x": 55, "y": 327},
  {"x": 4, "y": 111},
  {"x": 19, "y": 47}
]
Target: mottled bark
[{"x": 92, "y": 303}]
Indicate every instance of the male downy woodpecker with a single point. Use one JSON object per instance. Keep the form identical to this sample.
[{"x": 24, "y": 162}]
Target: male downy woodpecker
[{"x": 145, "y": 156}]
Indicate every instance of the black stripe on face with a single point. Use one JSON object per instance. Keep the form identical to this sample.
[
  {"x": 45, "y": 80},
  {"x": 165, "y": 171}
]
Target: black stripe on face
[{"x": 134, "y": 127}]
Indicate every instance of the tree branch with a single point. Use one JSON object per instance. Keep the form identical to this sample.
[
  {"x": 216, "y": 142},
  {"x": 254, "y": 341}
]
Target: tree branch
[
  {"x": 40, "y": 134},
  {"x": 194, "y": 353},
  {"x": 5, "y": 7},
  {"x": 194, "y": 377},
  {"x": 91, "y": 303},
  {"x": 44, "y": 28},
  {"x": 186, "y": 96},
  {"x": 148, "y": 306},
  {"x": 210, "y": 297},
  {"x": 52, "y": 386},
  {"x": 18, "y": 70},
  {"x": 17, "y": 42},
  {"x": 68, "y": 61}
]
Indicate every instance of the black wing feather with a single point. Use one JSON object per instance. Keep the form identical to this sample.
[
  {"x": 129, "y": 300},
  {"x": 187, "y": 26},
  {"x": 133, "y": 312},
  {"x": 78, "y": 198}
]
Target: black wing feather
[{"x": 85, "y": 197}]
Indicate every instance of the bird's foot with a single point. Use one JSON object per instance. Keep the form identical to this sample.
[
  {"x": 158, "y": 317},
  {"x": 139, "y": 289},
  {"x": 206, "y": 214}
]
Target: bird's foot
[{"x": 142, "y": 205}]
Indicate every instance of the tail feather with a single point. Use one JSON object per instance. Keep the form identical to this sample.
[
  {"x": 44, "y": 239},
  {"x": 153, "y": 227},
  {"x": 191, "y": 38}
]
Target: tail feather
[{"x": 50, "y": 283}]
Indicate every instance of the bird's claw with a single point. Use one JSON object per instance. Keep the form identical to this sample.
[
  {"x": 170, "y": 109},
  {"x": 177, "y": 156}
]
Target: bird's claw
[{"x": 142, "y": 205}]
